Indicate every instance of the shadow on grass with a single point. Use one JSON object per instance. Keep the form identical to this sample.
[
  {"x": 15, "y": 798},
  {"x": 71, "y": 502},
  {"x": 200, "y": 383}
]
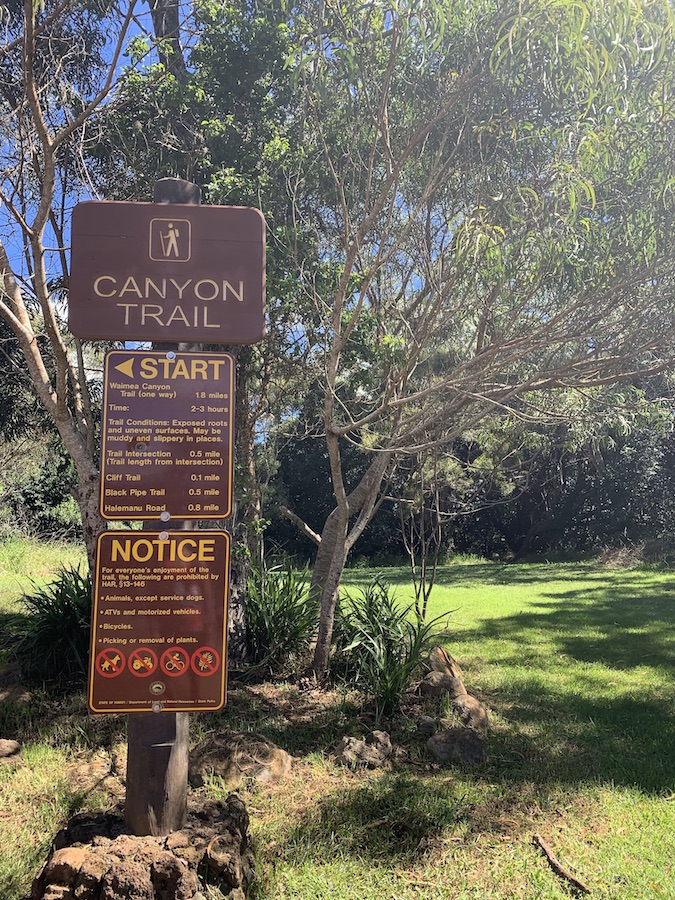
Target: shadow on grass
[
  {"x": 393, "y": 819},
  {"x": 396, "y": 819},
  {"x": 59, "y": 720},
  {"x": 9, "y": 622},
  {"x": 574, "y": 740},
  {"x": 481, "y": 574},
  {"x": 562, "y": 719},
  {"x": 585, "y": 725},
  {"x": 572, "y": 709},
  {"x": 299, "y": 723},
  {"x": 623, "y": 625}
]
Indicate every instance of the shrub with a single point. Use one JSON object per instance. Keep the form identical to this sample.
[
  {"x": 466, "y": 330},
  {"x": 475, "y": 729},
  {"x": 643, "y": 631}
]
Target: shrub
[
  {"x": 380, "y": 644},
  {"x": 280, "y": 616},
  {"x": 52, "y": 638},
  {"x": 39, "y": 502}
]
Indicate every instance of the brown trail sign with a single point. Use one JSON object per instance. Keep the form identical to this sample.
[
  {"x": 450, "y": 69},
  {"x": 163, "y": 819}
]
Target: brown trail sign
[
  {"x": 159, "y": 625},
  {"x": 167, "y": 435},
  {"x": 167, "y": 272}
]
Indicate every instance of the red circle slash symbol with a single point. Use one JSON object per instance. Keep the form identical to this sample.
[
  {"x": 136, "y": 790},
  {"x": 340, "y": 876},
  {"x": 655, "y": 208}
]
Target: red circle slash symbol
[
  {"x": 174, "y": 661},
  {"x": 205, "y": 661},
  {"x": 110, "y": 662},
  {"x": 142, "y": 662}
]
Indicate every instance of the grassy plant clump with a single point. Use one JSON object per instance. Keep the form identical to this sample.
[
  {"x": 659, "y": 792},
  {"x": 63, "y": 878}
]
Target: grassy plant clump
[
  {"x": 280, "y": 616},
  {"x": 51, "y": 633},
  {"x": 380, "y": 644}
]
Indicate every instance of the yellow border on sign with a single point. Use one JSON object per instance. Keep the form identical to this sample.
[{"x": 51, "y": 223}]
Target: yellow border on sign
[
  {"x": 186, "y": 516},
  {"x": 122, "y": 710}
]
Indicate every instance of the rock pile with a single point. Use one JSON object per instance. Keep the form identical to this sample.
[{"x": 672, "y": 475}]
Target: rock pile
[{"x": 95, "y": 858}]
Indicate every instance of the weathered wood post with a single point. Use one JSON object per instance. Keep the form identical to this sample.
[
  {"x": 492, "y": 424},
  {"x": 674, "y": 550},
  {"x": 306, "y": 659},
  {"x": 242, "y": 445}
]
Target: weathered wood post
[{"x": 158, "y": 743}]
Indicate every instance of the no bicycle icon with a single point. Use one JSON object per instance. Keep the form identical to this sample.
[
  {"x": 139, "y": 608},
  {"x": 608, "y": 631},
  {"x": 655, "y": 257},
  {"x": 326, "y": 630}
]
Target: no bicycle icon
[{"x": 175, "y": 661}]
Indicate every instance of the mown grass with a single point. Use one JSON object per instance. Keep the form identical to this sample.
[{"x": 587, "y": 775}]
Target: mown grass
[
  {"x": 23, "y": 560},
  {"x": 575, "y": 664}
]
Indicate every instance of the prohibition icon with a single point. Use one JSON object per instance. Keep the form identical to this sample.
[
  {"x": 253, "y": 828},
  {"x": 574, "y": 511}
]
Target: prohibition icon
[
  {"x": 110, "y": 662},
  {"x": 175, "y": 661},
  {"x": 142, "y": 662},
  {"x": 205, "y": 661}
]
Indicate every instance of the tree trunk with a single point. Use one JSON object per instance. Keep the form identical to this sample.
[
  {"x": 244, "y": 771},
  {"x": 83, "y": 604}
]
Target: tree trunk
[
  {"x": 92, "y": 521},
  {"x": 337, "y": 539},
  {"x": 244, "y": 511},
  {"x": 166, "y": 24},
  {"x": 326, "y": 576}
]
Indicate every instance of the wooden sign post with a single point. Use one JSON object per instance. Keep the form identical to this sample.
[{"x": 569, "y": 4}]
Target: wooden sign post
[
  {"x": 158, "y": 746},
  {"x": 165, "y": 271}
]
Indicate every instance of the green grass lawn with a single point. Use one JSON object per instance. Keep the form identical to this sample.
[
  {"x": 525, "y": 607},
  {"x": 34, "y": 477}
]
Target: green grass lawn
[
  {"x": 575, "y": 664},
  {"x": 23, "y": 561}
]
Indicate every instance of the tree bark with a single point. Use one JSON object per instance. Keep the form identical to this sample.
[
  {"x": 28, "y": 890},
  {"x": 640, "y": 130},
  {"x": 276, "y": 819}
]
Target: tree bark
[
  {"x": 329, "y": 601},
  {"x": 337, "y": 539},
  {"x": 166, "y": 25},
  {"x": 244, "y": 511}
]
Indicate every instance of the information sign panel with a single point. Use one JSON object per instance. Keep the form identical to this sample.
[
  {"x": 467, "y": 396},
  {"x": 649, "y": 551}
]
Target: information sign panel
[
  {"x": 167, "y": 272},
  {"x": 167, "y": 435},
  {"x": 159, "y": 622}
]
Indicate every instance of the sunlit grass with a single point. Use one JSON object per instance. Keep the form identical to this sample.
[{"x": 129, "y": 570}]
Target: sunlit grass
[
  {"x": 24, "y": 561},
  {"x": 34, "y": 799},
  {"x": 576, "y": 665}
]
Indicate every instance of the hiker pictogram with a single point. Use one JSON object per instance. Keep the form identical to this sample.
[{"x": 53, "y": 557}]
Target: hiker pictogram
[
  {"x": 142, "y": 662},
  {"x": 205, "y": 661},
  {"x": 110, "y": 662},
  {"x": 170, "y": 240},
  {"x": 175, "y": 661}
]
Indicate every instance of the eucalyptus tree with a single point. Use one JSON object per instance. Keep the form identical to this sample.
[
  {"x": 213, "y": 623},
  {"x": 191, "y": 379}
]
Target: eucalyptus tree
[
  {"x": 58, "y": 67},
  {"x": 490, "y": 188},
  {"x": 478, "y": 206},
  {"x": 101, "y": 99}
]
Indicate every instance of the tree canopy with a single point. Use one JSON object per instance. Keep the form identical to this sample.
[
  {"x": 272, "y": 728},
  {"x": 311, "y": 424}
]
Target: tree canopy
[
  {"x": 491, "y": 192},
  {"x": 470, "y": 205}
]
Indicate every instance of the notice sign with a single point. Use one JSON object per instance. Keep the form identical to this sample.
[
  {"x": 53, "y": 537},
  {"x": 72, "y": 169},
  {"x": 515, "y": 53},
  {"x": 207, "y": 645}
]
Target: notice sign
[
  {"x": 159, "y": 622},
  {"x": 167, "y": 435},
  {"x": 167, "y": 272}
]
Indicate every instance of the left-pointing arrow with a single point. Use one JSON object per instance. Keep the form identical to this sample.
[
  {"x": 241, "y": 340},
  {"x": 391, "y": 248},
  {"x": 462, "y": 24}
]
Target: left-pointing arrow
[{"x": 127, "y": 367}]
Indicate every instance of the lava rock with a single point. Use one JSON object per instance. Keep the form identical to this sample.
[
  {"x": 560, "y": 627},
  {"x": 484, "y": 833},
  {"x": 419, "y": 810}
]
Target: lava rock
[
  {"x": 457, "y": 745},
  {"x": 236, "y": 757},
  {"x": 371, "y": 752}
]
